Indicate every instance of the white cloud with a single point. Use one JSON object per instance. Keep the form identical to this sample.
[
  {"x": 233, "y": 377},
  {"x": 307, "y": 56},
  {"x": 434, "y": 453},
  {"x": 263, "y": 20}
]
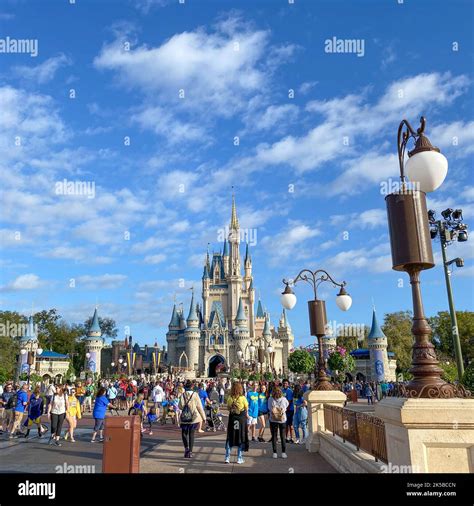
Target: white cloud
[
  {"x": 102, "y": 282},
  {"x": 155, "y": 259},
  {"x": 44, "y": 72},
  {"x": 24, "y": 282}
]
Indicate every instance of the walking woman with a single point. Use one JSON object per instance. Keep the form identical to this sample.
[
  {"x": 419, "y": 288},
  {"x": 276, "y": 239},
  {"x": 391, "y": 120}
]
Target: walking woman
[
  {"x": 237, "y": 429},
  {"x": 300, "y": 420},
  {"x": 100, "y": 408},
  {"x": 192, "y": 415},
  {"x": 57, "y": 409},
  {"x": 72, "y": 415},
  {"x": 262, "y": 411},
  {"x": 35, "y": 410},
  {"x": 277, "y": 406}
]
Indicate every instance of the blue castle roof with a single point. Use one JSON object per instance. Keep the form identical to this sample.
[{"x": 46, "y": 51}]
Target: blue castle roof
[
  {"x": 192, "y": 316},
  {"x": 95, "y": 327},
  {"x": 30, "y": 331},
  {"x": 216, "y": 312},
  {"x": 260, "y": 313},
  {"x": 376, "y": 331},
  {"x": 226, "y": 248},
  {"x": 174, "y": 318},
  {"x": 52, "y": 354},
  {"x": 266, "y": 328},
  {"x": 241, "y": 319}
]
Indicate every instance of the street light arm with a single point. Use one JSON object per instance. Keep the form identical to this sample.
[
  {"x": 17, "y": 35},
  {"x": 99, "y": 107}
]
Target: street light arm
[
  {"x": 402, "y": 140},
  {"x": 314, "y": 279}
]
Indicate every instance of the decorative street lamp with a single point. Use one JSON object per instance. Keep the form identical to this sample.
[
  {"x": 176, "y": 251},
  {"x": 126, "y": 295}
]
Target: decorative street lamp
[
  {"x": 411, "y": 251},
  {"x": 30, "y": 360},
  {"x": 449, "y": 229},
  {"x": 317, "y": 313}
]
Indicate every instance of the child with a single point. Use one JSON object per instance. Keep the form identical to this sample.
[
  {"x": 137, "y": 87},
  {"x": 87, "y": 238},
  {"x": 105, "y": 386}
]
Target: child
[
  {"x": 173, "y": 408},
  {"x": 35, "y": 410},
  {"x": 151, "y": 418},
  {"x": 138, "y": 408}
]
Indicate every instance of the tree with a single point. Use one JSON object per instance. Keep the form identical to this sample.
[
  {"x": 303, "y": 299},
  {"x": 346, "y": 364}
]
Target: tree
[
  {"x": 107, "y": 326},
  {"x": 12, "y": 325},
  {"x": 468, "y": 377},
  {"x": 442, "y": 333},
  {"x": 352, "y": 342},
  {"x": 46, "y": 322},
  {"x": 301, "y": 362},
  {"x": 341, "y": 361},
  {"x": 397, "y": 328}
]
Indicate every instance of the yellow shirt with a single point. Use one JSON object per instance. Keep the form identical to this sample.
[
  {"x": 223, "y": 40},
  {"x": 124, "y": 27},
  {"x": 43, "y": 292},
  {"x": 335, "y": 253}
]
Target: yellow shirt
[
  {"x": 74, "y": 407},
  {"x": 237, "y": 404}
]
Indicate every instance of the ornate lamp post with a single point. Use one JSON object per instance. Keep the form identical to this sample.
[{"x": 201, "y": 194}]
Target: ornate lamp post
[
  {"x": 411, "y": 251},
  {"x": 30, "y": 360},
  {"x": 317, "y": 312},
  {"x": 450, "y": 228}
]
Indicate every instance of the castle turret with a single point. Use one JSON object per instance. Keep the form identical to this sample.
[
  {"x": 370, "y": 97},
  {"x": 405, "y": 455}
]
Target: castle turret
[
  {"x": 93, "y": 345},
  {"x": 206, "y": 283},
  {"x": 172, "y": 335},
  {"x": 285, "y": 335},
  {"x": 192, "y": 335},
  {"x": 234, "y": 276},
  {"x": 378, "y": 351}
]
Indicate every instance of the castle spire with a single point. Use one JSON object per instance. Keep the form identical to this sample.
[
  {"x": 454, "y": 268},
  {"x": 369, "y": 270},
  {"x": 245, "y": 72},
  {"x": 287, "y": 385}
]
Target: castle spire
[
  {"x": 174, "y": 322},
  {"x": 94, "y": 329},
  {"x": 192, "y": 319},
  {"x": 266, "y": 328},
  {"x": 241, "y": 319},
  {"x": 376, "y": 331},
  {"x": 234, "y": 222}
]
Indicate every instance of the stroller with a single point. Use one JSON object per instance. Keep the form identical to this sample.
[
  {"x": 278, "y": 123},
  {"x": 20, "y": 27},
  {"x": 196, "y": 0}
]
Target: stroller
[{"x": 214, "y": 418}]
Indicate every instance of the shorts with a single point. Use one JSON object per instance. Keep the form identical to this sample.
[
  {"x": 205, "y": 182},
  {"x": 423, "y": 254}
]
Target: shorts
[
  {"x": 99, "y": 424},
  {"x": 32, "y": 421},
  {"x": 252, "y": 420},
  {"x": 262, "y": 413},
  {"x": 289, "y": 418}
]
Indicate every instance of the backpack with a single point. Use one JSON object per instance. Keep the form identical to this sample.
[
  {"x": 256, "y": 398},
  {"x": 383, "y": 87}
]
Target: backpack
[
  {"x": 11, "y": 403},
  {"x": 277, "y": 413},
  {"x": 186, "y": 413}
]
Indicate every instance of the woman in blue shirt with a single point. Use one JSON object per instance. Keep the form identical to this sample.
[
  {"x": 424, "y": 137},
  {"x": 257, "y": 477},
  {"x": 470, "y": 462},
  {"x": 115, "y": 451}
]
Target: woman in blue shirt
[
  {"x": 100, "y": 407},
  {"x": 262, "y": 411},
  {"x": 301, "y": 415}
]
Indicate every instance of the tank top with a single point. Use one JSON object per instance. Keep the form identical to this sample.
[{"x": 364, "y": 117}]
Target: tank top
[{"x": 58, "y": 405}]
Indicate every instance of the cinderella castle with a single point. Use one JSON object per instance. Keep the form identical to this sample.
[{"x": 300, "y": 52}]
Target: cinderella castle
[{"x": 225, "y": 328}]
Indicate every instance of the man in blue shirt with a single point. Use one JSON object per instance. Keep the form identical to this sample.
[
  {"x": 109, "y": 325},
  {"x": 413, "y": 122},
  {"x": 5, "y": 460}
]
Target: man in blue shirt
[
  {"x": 252, "y": 413},
  {"x": 288, "y": 393},
  {"x": 21, "y": 402}
]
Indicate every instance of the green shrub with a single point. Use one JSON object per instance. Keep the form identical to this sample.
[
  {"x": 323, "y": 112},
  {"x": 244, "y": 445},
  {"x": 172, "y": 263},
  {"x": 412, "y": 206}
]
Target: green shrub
[{"x": 468, "y": 377}]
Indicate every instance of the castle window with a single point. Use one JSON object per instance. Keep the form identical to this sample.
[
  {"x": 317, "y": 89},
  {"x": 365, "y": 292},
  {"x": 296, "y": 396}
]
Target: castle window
[{"x": 221, "y": 339}]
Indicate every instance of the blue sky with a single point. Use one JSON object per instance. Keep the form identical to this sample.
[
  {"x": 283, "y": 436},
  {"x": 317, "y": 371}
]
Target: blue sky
[{"x": 101, "y": 104}]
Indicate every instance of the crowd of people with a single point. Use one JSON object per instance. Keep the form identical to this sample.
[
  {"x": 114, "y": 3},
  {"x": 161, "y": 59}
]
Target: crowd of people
[
  {"x": 192, "y": 406},
  {"x": 252, "y": 407}
]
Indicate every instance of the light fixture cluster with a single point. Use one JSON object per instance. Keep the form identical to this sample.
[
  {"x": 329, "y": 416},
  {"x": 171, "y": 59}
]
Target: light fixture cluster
[{"x": 451, "y": 226}]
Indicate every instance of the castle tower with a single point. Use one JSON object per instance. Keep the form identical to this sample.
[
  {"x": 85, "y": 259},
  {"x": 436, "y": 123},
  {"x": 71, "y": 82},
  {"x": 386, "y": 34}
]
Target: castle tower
[
  {"x": 259, "y": 320},
  {"x": 225, "y": 256},
  {"x": 234, "y": 277},
  {"x": 377, "y": 340},
  {"x": 285, "y": 335},
  {"x": 28, "y": 342},
  {"x": 192, "y": 335},
  {"x": 172, "y": 336},
  {"x": 206, "y": 282},
  {"x": 93, "y": 345},
  {"x": 241, "y": 329}
]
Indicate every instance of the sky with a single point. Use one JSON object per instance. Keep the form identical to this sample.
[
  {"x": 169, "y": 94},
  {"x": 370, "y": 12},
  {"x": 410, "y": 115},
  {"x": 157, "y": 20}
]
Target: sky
[{"x": 158, "y": 108}]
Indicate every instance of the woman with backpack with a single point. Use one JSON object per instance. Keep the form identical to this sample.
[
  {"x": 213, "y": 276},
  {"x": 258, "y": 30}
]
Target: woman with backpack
[
  {"x": 191, "y": 415},
  {"x": 237, "y": 429},
  {"x": 57, "y": 413},
  {"x": 277, "y": 406}
]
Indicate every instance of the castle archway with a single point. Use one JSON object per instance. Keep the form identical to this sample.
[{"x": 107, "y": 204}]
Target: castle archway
[{"x": 214, "y": 362}]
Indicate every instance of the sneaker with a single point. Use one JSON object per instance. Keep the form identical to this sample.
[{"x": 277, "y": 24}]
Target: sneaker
[
  {"x": 190, "y": 455},
  {"x": 291, "y": 441},
  {"x": 57, "y": 443},
  {"x": 150, "y": 433},
  {"x": 227, "y": 460},
  {"x": 94, "y": 441},
  {"x": 261, "y": 440},
  {"x": 240, "y": 460},
  {"x": 186, "y": 453},
  {"x": 297, "y": 442},
  {"x": 287, "y": 440},
  {"x": 284, "y": 456},
  {"x": 254, "y": 440},
  {"x": 73, "y": 440},
  {"x": 275, "y": 456},
  {"x": 101, "y": 440}
]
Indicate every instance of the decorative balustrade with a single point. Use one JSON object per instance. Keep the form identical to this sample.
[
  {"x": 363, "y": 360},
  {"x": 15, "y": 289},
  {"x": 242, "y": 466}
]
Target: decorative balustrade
[{"x": 364, "y": 431}]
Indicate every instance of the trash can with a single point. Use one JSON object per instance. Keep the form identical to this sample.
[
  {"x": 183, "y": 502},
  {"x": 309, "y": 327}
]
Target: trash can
[{"x": 121, "y": 444}]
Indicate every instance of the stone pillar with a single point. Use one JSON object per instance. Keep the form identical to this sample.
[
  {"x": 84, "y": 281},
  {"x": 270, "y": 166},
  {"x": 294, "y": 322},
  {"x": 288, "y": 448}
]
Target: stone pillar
[
  {"x": 429, "y": 435},
  {"x": 316, "y": 400}
]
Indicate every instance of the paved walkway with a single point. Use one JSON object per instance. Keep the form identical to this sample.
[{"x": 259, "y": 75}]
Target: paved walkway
[
  {"x": 161, "y": 452},
  {"x": 167, "y": 457}
]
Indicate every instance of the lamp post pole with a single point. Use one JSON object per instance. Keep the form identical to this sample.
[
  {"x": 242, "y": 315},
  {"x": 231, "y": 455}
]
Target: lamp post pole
[
  {"x": 452, "y": 311},
  {"x": 411, "y": 252},
  {"x": 317, "y": 313}
]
